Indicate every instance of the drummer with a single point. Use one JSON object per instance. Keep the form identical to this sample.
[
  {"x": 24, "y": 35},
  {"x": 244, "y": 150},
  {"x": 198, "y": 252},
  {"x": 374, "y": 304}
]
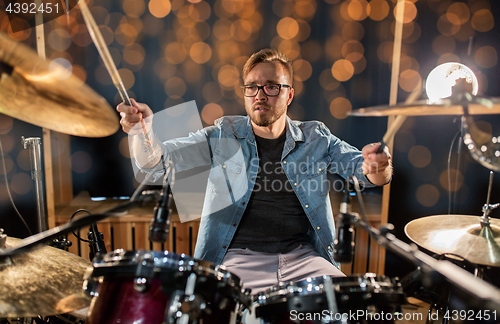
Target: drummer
[{"x": 279, "y": 225}]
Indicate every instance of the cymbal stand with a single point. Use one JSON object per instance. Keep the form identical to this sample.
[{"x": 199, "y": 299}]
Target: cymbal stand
[
  {"x": 470, "y": 290},
  {"x": 34, "y": 146},
  {"x": 486, "y": 230}
]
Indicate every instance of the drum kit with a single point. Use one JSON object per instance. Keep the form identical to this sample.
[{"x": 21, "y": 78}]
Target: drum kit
[{"x": 47, "y": 285}]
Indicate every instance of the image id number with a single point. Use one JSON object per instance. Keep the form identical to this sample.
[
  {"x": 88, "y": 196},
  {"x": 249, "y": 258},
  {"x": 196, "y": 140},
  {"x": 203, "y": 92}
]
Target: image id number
[
  {"x": 471, "y": 315},
  {"x": 31, "y": 8}
]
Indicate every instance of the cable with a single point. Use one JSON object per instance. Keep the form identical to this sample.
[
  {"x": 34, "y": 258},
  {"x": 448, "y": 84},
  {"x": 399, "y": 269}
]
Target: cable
[
  {"x": 449, "y": 172},
  {"x": 78, "y": 235},
  {"x": 8, "y": 191}
]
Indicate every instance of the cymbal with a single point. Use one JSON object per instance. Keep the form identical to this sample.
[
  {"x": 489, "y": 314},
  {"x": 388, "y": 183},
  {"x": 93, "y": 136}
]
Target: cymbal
[
  {"x": 43, "y": 93},
  {"x": 45, "y": 282},
  {"x": 423, "y": 108},
  {"x": 460, "y": 235}
]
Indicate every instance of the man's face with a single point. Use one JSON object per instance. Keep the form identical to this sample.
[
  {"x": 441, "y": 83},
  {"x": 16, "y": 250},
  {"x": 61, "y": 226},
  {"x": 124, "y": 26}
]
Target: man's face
[{"x": 264, "y": 110}]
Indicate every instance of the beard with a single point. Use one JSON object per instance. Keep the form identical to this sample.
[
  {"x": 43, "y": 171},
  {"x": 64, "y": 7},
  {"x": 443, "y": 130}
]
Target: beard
[{"x": 268, "y": 118}]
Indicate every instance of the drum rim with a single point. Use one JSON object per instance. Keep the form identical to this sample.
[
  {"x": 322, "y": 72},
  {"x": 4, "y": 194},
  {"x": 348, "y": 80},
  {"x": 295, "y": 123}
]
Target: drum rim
[
  {"x": 293, "y": 288},
  {"x": 126, "y": 262}
]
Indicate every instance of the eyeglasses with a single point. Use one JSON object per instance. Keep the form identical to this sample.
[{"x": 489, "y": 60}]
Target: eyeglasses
[{"x": 270, "y": 89}]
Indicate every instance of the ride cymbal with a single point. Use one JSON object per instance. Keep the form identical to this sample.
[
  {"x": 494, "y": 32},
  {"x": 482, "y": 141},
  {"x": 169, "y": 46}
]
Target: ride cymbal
[
  {"x": 422, "y": 108},
  {"x": 43, "y": 282},
  {"x": 43, "y": 93},
  {"x": 461, "y": 235}
]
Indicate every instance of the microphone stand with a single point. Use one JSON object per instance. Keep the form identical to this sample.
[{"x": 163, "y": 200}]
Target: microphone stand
[
  {"x": 34, "y": 241},
  {"x": 472, "y": 291}
]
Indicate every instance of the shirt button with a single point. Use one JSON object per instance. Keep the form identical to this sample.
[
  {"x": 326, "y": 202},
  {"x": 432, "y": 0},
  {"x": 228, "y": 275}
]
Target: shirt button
[
  {"x": 225, "y": 247},
  {"x": 234, "y": 225},
  {"x": 329, "y": 248},
  {"x": 243, "y": 203},
  {"x": 251, "y": 178},
  {"x": 319, "y": 170},
  {"x": 307, "y": 206},
  {"x": 284, "y": 162},
  {"x": 318, "y": 227},
  {"x": 224, "y": 166},
  {"x": 295, "y": 184}
]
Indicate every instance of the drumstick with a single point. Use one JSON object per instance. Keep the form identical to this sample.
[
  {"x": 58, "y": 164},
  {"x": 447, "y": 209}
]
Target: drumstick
[{"x": 102, "y": 48}]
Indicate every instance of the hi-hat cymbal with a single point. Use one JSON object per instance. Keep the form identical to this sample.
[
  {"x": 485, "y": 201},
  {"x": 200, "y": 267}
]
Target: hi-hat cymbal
[
  {"x": 45, "y": 282},
  {"x": 42, "y": 93},
  {"x": 423, "y": 108},
  {"x": 461, "y": 235}
]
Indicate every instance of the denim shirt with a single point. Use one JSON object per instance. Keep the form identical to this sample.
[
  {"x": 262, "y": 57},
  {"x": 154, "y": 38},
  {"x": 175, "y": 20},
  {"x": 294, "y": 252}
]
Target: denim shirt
[{"x": 229, "y": 147}]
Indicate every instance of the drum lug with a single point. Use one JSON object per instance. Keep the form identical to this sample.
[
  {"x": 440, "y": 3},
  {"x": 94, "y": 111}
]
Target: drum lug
[
  {"x": 90, "y": 284},
  {"x": 141, "y": 285},
  {"x": 186, "y": 309}
]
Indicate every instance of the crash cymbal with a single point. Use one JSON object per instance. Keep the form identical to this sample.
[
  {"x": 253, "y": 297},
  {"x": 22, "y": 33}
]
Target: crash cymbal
[
  {"x": 458, "y": 234},
  {"x": 422, "y": 108},
  {"x": 44, "y": 282},
  {"x": 42, "y": 93}
]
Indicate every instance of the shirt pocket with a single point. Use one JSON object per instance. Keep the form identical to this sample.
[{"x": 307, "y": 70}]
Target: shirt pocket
[
  {"x": 224, "y": 173},
  {"x": 316, "y": 173}
]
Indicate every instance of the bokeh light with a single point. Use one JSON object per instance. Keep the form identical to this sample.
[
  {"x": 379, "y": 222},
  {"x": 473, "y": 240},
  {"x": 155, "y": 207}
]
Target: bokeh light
[
  {"x": 342, "y": 70},
  {"x": 353, "y": 30},
  {"x": 409, "y": 80},
  {"x": 357, "y": 9},
  {"x": 175, "y": 53},
  {"x": 458, "y": 13},
  {"x": 410, "y": 11},
  {"x": 134, "y": 8},
  {"x": 287, "y": 28},
  {"x": 59, "y": 39},
  {"x": 427, "y": 195},
  {"x": 419, "y": 156},
  {"x": 200, "y": 52},
  {"x": 378, "y": 9},
  {"x": 445, "y": 27},
  {"x": 175, "y": 87},
  {"x": 340, "y": 107},
  {"x": 6, "y": 123},
  {"x": 211, "y": 112},
  {"x": 302, "y": 70},
  {"x": 21, "y": 183},
  {"x": 128, "y": 78},
  {"x": 23, "y": 160},
  {"x": 159, "y": 8},
  {"x": 483, "y": 20},
  {"x": 486, "y": 57},
  {"x": 212, "y": 92},
  {"x": 228, "y": 75}
]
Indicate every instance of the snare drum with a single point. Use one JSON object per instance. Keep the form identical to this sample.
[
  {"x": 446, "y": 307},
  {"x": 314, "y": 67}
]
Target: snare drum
[
  {"x": 365, "y": 299},
  {"x": 156, "y": 287}
]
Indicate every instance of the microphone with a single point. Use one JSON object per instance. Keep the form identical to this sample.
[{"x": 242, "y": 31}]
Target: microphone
[
  {"x": 96, "y": 241},
  {"x": 343, "y": 248},
  {"x": 159, "y": 227}
]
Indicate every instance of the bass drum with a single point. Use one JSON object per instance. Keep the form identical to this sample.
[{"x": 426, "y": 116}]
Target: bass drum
[
  {"x": 161, "y": 287},
  {"x": 364, "y": 299}
]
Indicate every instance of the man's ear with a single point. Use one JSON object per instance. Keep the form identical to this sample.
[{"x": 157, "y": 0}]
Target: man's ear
[{"x": 290, "y": 96}]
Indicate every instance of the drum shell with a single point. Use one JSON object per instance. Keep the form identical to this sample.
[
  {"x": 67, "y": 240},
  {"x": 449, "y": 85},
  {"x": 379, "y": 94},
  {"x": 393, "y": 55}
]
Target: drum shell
[
  {"x": 139, "y": 286},
  {"x": 305, "y": 301}
]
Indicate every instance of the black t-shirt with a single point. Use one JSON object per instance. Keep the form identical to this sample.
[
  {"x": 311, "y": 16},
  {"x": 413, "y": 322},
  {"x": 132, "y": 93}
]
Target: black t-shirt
[{"x": 274, "y": 221}]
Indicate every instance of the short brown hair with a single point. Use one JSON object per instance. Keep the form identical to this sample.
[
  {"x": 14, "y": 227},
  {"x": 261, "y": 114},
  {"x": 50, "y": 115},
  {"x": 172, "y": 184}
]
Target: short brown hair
[{"x": 268, "y": 55}]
